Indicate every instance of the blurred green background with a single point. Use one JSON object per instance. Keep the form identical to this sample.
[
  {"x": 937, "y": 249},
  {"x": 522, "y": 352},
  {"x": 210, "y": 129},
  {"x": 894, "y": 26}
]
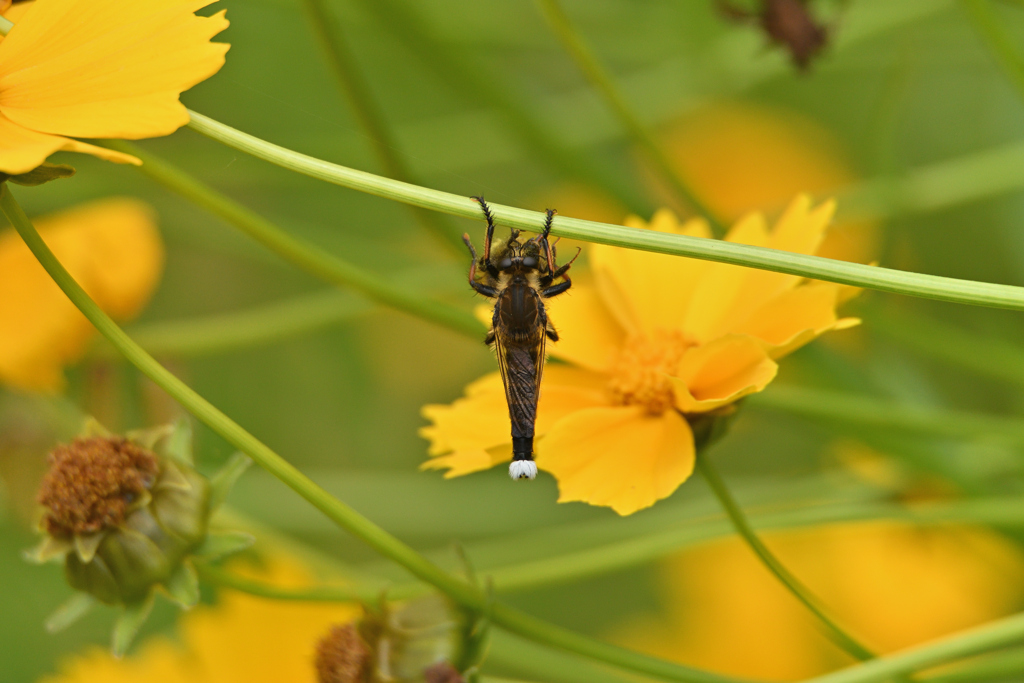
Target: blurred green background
[{"x": 919, "y": 114}]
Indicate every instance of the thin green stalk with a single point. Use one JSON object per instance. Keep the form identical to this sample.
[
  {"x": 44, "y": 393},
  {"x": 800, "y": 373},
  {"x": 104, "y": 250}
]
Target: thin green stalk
[
  {"x": 304, "y": 255},
  {"x": 318, "y": 593},
  {"x": 643, "y": 138},
  {"x": 872, "y": 412},
  {"x": 341, "y": 514},
  {"x": 816, "y": 267},
  {"x": 975, "y": 641},
  {"x": 471, "y": 77},
  {"x": 224, "y": 332},
  {"x": 838, "y": 635},
  {"x": 987, "y": 24},
  {"x": 329, "y": 33}
]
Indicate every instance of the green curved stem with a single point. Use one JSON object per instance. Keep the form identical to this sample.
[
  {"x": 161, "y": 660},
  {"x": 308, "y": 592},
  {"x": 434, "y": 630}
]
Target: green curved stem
[
  {"x": 975, "y": 641},
  {"x": 871, "y": 412},
  {"x": 801, "y": 592},
  {"x": 644, "y": 548},
  {"x": 265, "y": 324},
  {"x": 304, "y": 255},
  {"x": 1000, "y": 666},
  {"x": 328, "y": 32},
  {"x": 318, "y": 593},
  {"x": 816, "y": 267},
  {"x": 335, "y": 510},
  {"x": 635, "y": 128}
]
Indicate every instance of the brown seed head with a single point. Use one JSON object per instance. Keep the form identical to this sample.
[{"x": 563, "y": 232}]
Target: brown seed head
[
  {"x": 92, "y": 482},
  {"x": 342, "y": 656},
  {"x": 442, "y": 672}
]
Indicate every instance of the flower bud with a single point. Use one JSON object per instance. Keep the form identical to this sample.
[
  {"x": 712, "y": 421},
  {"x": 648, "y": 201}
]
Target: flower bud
[{"x": 126, "y": 519}]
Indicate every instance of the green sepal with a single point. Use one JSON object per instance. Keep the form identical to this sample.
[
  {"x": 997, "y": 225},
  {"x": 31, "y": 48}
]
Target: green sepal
[
  {"x": 221, "y": 483},
  {"x": 128, "y": 624},
  {"x": 219, "y": 544},
  {"x": 93, "y": 427},
  {"x": 40, "y": 175},
  {"x": 71, "y": 611},
  {"x": 49, "y": 548},
  {"x": 183, "y": 586},
  {"x": 179, "y": 443},
  {"x": 87, "y": 545}
]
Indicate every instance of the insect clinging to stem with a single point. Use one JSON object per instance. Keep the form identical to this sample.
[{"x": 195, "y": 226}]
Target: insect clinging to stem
[{"x": 519, "y": 276}]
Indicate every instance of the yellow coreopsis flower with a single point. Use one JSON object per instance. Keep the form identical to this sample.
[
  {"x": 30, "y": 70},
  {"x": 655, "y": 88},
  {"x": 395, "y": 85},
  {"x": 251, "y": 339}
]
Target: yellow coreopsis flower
[
  {"x": 99, "y": 69},
  {"x": 241, "y": 639},
  {"x": 111, "y": 247},
  {"x": 891, "y": 584},
  {"x": 652, "y": 342}
]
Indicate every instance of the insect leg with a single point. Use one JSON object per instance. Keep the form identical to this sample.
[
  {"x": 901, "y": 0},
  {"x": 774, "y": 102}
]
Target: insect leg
[
  {"x": 555, "y": 290},
  {"x": 481, "y": 288},
  {"x": 561, "y": 272},
  {"x": 490, "y": 229}
]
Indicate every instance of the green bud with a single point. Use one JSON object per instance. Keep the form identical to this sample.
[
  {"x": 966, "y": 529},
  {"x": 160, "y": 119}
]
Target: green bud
[{"x": 127, "y": 514}]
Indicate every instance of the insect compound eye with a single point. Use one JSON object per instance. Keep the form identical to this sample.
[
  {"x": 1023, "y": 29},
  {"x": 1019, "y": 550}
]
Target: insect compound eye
[
  {"x": 505, "y": 263},
  {"x": 530, "y": 262}
]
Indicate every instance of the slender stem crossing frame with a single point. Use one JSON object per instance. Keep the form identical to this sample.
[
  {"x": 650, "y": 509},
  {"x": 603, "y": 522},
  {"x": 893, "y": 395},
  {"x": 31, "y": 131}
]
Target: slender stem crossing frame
[{"x": 814, "y": 267}]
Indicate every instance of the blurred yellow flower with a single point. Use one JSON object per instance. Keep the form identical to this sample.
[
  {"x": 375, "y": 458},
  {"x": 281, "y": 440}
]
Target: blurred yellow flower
[
  {"x": 241, "y": 639},
  {"x": 652, "y": 339},
  {"x": 99, "y": 69},
  {"x": 111, "y": 247},
  {"x": 891, "y": 584}
]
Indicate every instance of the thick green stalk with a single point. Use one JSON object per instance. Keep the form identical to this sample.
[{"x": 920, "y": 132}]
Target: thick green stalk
[
  {"x": 341, "y": 514},
  {"x": 816, "y": 267},
  {"x": 329, "y": 33},
  {"x": 999, "y": 666},
  {"x": 472, "y": 78},
  {"x": 975, "y": 641},
  {"x": 304, "y": 255},
  {"x": 871, "y": 412},
  {"x": 801, "y": 592},
  {"x": 987, "y": 24},
  {"x": 638, "y": 132}
]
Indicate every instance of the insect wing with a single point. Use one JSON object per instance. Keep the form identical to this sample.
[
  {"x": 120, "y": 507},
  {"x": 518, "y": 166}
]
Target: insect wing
[{"x": 521, "y": 367}]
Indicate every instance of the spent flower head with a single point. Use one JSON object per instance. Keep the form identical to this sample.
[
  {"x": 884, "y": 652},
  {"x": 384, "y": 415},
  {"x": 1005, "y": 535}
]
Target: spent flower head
[
  {"x": 654, "y": 349},
  {"x": 126, "y": 519}
]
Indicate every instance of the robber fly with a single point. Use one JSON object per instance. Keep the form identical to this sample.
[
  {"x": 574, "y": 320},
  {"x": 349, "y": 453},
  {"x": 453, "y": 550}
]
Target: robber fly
[{"x": 519, "y": 276}]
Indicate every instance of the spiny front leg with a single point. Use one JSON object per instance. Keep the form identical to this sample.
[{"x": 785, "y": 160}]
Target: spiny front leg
[
  {"x": 479, "y": 287},
  {"x": 490, "y": 229}
]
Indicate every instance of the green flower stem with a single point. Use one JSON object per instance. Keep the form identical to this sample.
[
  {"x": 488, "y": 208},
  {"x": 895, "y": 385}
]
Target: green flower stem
[
  {"x": 335, "y": 510},
  {"x": 238, "y": 329},
  {"x": 987, "y": 24},
  {"x": 975, "y": 641},
  {"x": 471, "y": 77},
  {"x": 643, "y": 138},
  {"x": 319, "y": 593},
  {"x": 838, "y": 635},
  {"x": 871, "y": 412},
  {"x": 816, "y": 267},
  {"x": 572, "y": 566},
  {"x": 308, "y": 257},
  {"x": 328, "y": 32},
  {"x": 1000, "y": 666}
]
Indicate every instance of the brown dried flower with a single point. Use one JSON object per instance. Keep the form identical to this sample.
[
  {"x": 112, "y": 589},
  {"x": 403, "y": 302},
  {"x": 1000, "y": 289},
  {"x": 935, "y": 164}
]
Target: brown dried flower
[{"x": 342, "y": 656}]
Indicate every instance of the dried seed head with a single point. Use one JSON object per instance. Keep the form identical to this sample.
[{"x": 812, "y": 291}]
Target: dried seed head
[
  {"x": 92, "y": 483},
  {"x": 342, "y": 656}
]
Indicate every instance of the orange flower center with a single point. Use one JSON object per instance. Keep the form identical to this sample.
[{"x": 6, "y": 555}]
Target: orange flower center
[{"x": 640, "y": 375}]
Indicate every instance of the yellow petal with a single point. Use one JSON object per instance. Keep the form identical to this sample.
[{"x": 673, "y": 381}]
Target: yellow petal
[
  {"x": 796, "y": 317},
  {"x": 110, "y": 247},
  {"x": 720, "y": 285},
  {"x": 645, "y": 291},
  {"x": 103, "y": 68},
  {"x": 618, "y": 457},
  {"x": 722, "y": 372},
  {"x": 474, "y": 432},
  {"x": 589, "y": 335},
  {"x": 22, "y": 149}
]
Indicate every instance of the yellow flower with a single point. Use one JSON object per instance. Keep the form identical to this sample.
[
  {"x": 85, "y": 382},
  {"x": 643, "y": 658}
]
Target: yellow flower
[
  {"x": 891, "y": 584},
  {"x": 241, "y": 639},
  {"x": 111, "y": 247},
  {"x": 651, "y": 340},
  {"x": 99, "y": 69}
]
